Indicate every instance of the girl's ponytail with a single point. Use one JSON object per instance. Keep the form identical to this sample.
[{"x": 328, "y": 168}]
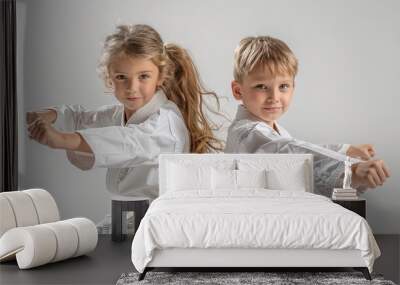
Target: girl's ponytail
[{"x": 183, "y": 86}]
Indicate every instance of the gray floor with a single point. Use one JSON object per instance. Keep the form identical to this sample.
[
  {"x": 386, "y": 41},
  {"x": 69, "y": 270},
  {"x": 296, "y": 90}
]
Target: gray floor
[
  {"x": 389, "y": 262},
  {"x": 109, "y": 260},
  {"x": 103, "y": 266}
]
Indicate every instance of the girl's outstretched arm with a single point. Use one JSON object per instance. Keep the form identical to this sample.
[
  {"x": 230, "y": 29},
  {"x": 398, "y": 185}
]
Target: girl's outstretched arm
[
  {"x": 43, "y": 132},
  {"x": 47, "y": 115}
]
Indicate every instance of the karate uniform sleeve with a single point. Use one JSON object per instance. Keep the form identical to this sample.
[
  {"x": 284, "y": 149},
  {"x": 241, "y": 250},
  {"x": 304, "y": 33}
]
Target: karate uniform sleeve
[
  {"x": 341, "y": 148},
  {"x": 328, "y": 164},
  {"x": 71, "y": 118},
  {"x": 120, "y": 147}
]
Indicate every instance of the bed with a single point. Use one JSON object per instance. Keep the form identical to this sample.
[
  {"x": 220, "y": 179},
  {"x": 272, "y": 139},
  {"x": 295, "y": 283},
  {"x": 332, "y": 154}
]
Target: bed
[{"x": 247, "y": 211}]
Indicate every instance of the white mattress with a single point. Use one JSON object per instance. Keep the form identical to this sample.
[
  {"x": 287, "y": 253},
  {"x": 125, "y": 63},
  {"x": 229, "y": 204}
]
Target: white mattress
[{"x": 252, "y": 218}]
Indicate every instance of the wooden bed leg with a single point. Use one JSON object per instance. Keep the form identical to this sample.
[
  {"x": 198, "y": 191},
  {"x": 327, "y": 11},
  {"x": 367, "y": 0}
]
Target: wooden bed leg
[
  {"x": 142, "y": 275},
  {"x": 364, "y": 271}
]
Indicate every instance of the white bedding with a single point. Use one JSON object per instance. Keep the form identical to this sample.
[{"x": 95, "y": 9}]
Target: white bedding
[{"x": 252, "y": 218}]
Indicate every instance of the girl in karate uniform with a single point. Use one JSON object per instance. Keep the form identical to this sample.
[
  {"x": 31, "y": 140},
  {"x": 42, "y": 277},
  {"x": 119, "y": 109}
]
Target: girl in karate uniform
[{"x": 160, "y": 111}]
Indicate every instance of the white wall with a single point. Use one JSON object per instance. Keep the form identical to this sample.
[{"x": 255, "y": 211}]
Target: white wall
[{"x": 347, "y": 87}]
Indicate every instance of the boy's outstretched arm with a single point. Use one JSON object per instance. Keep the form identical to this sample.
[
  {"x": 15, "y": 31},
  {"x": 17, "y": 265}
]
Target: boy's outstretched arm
[
  {"x": 328, "y": 164},
  {"x": 369, "y": 173},
  {"x": 362, "y": 151}
]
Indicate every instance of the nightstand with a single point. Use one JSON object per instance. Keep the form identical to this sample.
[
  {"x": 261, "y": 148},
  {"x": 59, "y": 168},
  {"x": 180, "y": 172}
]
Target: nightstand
[
  {"x": 119, "y": 206},
  {"x": 358, "y": 206}
]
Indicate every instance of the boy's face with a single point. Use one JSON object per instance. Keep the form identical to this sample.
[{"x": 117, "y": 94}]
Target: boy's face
[{"x": 265, "y": 95}]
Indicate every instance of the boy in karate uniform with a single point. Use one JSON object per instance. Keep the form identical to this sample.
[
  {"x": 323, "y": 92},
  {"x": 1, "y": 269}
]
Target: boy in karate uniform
[{"x": 264, "y": 73}]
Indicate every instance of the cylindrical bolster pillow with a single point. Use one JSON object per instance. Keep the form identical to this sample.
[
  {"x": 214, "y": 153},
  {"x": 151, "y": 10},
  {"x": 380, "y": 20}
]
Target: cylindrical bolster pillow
[
  {"x": 33, "y": 246},
  {"x": 87, "y": 234},
  {"x": 7, "y": 219},
  {"x": 46, "y": 207},
  {"x": 26, "y": 208},
  {"x": 67, "y": 239},
  {"x": 40, "y": 244},
  {"x": 23, "y": 208}
]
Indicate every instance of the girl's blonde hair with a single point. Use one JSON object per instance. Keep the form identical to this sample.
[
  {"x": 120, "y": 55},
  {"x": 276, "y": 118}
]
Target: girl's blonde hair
[
  {"x": 253, "y": 52},
  {"x": 181, "y": 83}
]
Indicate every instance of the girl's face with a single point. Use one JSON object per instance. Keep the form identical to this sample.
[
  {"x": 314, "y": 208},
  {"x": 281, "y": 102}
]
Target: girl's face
[
  {"x": 135, "y": 81},
  {"x": 265, "y": 95}
]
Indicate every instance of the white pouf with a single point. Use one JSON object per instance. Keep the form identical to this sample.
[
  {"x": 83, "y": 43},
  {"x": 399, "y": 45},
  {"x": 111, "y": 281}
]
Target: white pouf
[
  {"x": 26, "y": 208},
  {"x": 30, "y": 230},
  {"x": 40, "y": 244}
]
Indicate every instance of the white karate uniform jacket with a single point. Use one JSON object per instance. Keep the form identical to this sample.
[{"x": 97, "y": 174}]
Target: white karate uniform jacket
[
  {"x": 129, "y": 150},
  {"x": 247, "y": 134}
]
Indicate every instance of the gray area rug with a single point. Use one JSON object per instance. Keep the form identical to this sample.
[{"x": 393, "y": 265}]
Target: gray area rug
[{"x": 270, "y": 278}]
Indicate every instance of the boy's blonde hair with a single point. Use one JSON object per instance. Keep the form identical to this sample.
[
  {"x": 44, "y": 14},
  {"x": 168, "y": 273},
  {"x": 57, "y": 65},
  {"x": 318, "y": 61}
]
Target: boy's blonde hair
[
  {"x": 254, "y": 52},
  {"x": 181, "y": 83}
]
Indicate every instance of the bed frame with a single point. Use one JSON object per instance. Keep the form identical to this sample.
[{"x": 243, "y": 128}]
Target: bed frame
[
  {"x": 240, "y": 260},
  {"x": 249, "y": 259}
]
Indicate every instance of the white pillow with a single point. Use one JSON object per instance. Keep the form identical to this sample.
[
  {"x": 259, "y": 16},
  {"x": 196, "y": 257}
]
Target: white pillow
[
  {"x": 251, "y": 178},
  {"x": 183, "y": 177},
  {"x": 282, "y": 174},
  {"x": 223, "y": 179},
  {"x": 293, "y": 180},
  {"x": 228, "y": 179}
]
